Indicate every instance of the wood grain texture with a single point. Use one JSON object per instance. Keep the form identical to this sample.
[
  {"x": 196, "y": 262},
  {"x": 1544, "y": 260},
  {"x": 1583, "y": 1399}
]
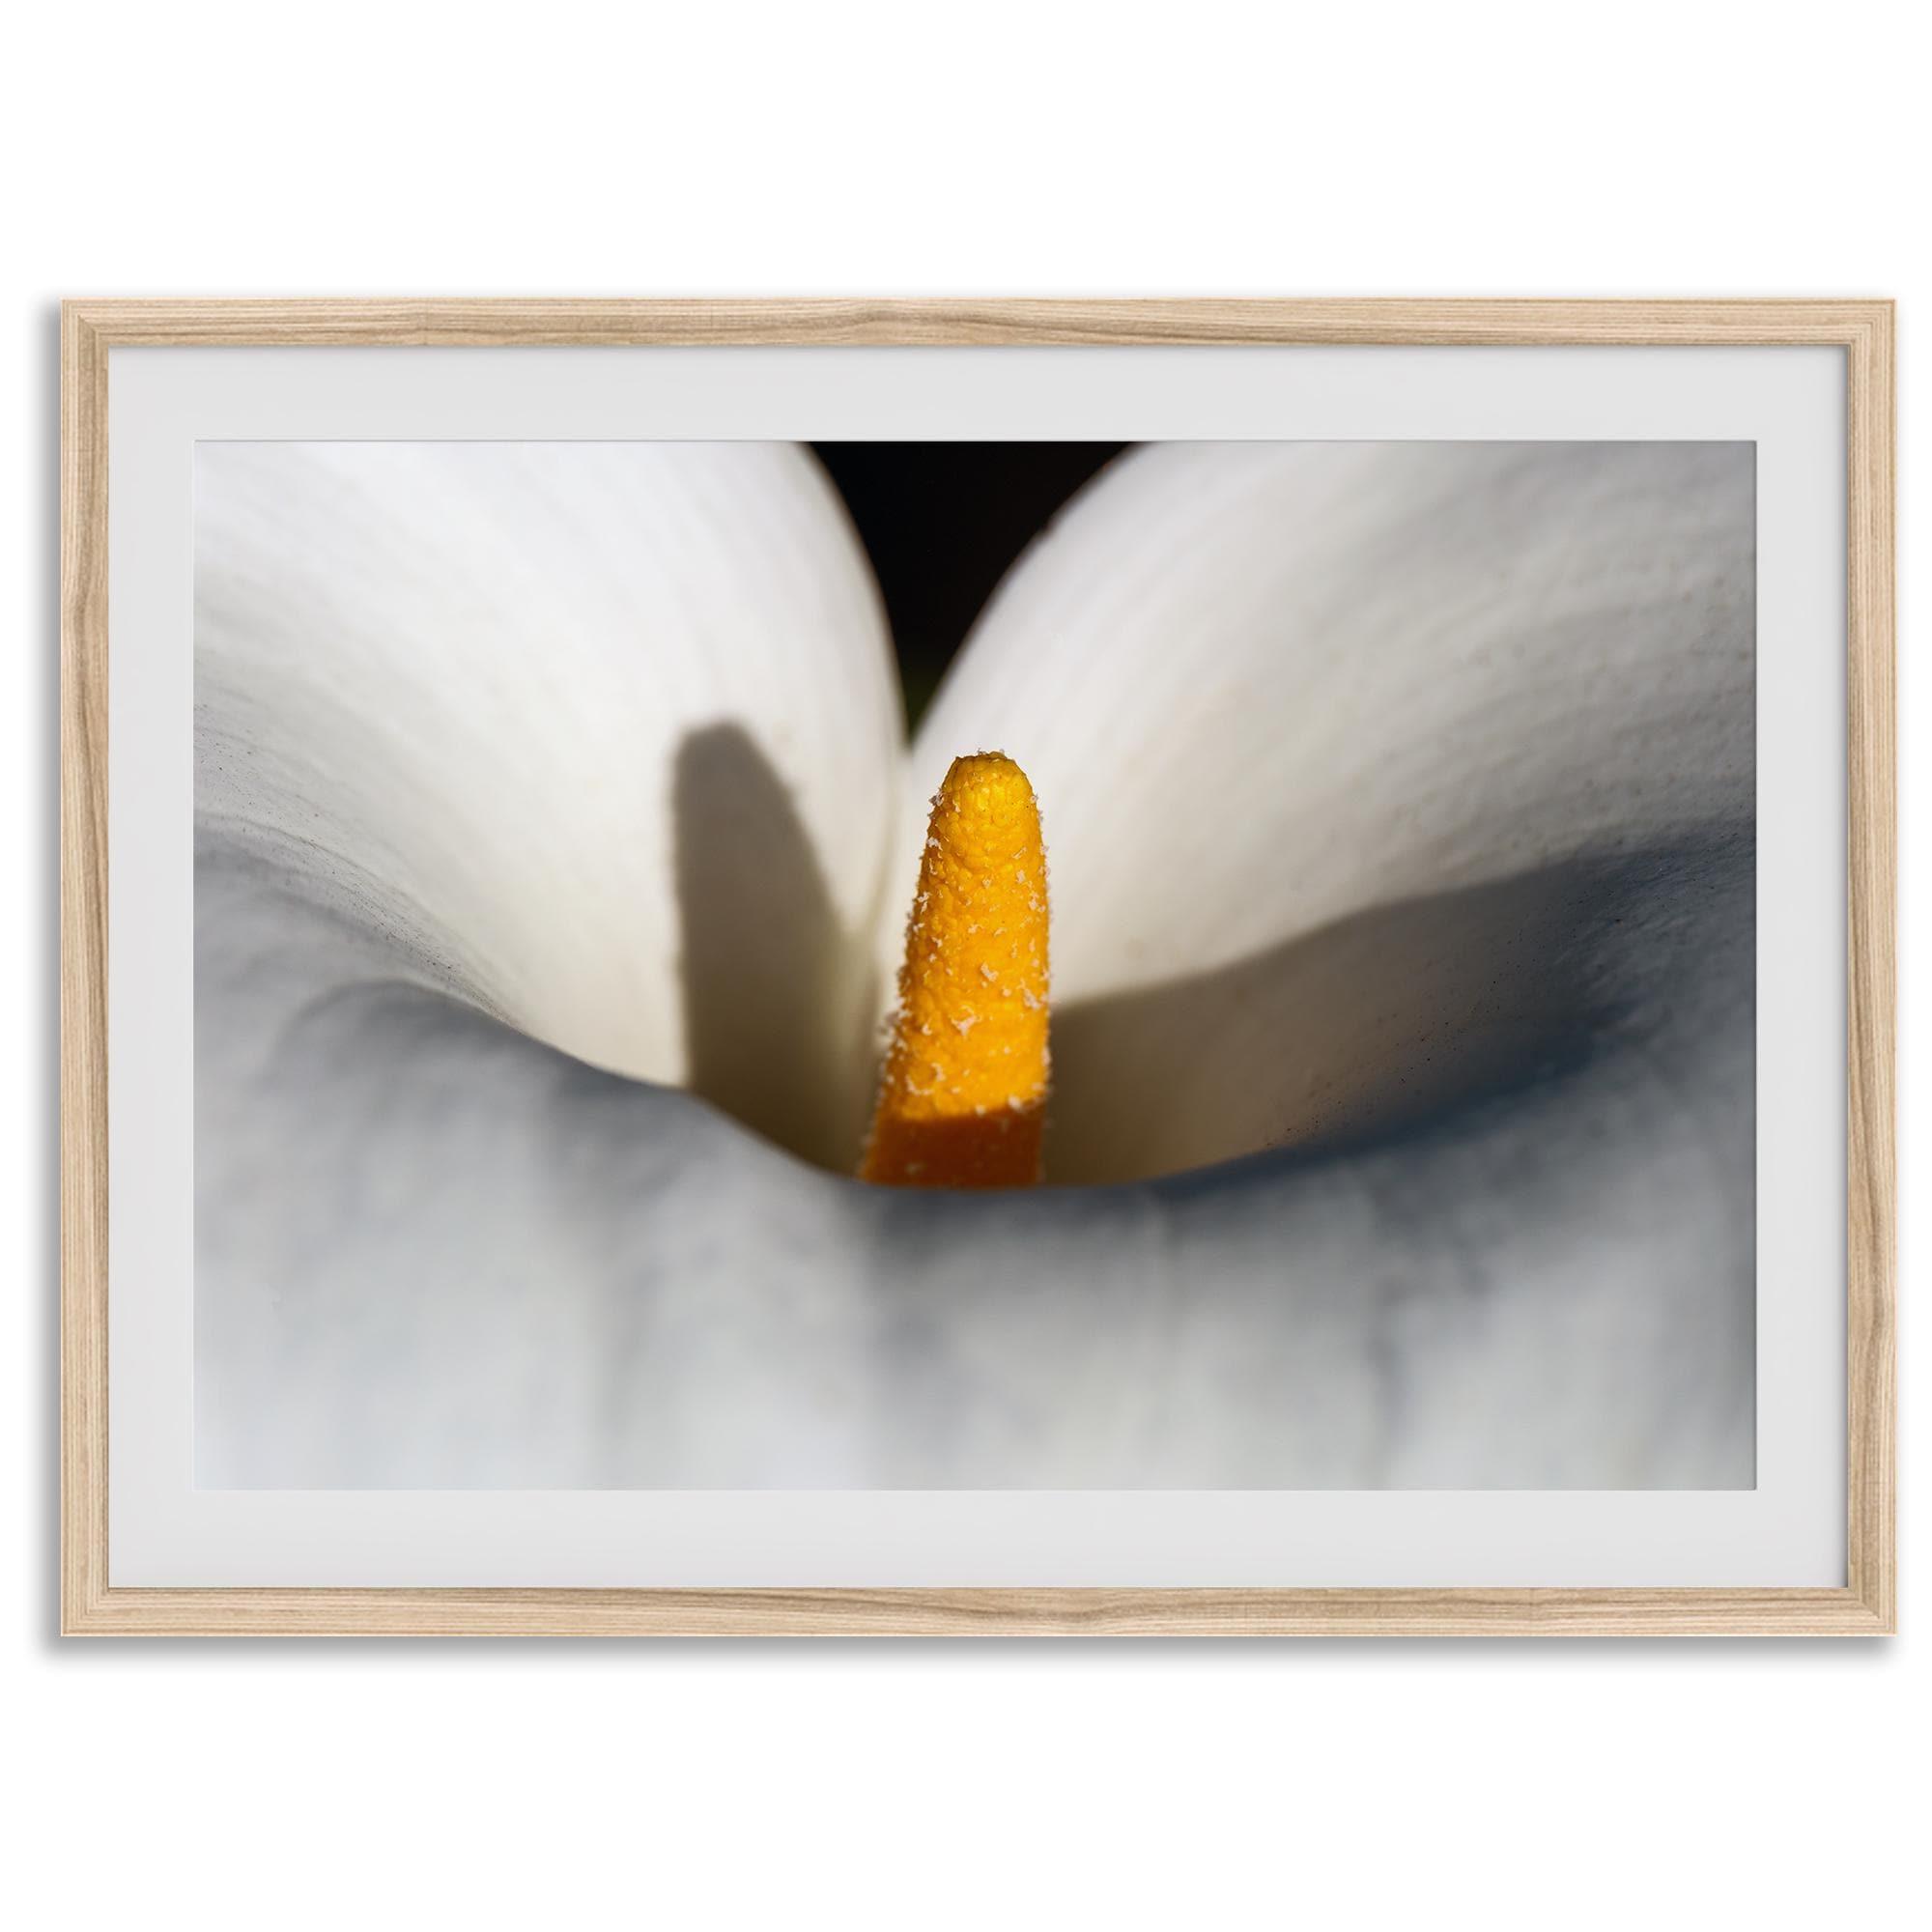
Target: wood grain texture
[
  {"x": 84, "y": 900},
  {"x": 1863, "y": 329},
  {"x": 1871, "y": 1348},
  {"x": 808, "y": 321},
  {"x": 872, "y": 1614}
]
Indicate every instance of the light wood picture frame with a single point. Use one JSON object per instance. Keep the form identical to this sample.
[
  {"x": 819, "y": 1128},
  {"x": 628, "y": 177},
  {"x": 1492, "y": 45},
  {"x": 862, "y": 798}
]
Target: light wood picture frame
[{"x": 1863, "y": 329}]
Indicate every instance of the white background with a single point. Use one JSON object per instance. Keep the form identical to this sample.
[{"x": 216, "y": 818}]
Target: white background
[{"x": 401, "y": 149}]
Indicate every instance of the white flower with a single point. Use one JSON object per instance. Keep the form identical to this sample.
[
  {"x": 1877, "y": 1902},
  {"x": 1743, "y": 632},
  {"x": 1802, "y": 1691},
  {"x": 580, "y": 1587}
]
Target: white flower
[{"x": 1399, "y": 804}]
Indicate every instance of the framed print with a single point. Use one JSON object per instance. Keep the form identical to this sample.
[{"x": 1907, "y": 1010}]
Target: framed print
[{"x": 978, "y": 967}]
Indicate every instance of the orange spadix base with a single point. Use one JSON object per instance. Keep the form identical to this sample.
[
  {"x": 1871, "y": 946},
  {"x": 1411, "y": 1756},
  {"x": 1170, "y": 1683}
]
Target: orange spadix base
[{"x": 963, "y": 1097}]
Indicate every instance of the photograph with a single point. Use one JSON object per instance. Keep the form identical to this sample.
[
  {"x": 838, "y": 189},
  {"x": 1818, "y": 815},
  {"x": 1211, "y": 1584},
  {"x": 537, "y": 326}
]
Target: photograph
[{"x": 755, "y": 965}]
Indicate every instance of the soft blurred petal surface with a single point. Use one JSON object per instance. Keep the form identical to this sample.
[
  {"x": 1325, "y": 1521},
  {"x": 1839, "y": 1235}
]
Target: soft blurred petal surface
[{"x": 435, "y": 1253}]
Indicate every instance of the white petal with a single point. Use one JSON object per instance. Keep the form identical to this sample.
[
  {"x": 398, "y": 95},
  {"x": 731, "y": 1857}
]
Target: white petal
[
  {"x": 433, "y": 1254},
  {"x": 602, "y": 736},
  {"x": 1284, "y": 704}
]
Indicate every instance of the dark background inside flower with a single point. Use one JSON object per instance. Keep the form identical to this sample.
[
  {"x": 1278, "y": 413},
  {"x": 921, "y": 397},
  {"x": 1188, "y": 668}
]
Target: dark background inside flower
[{"x": 942, "y": 523}]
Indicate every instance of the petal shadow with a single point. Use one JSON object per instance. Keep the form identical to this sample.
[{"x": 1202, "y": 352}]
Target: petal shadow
[
  {"x": 1376, "y": 1023},
  {"x": 778, "y": 995}
]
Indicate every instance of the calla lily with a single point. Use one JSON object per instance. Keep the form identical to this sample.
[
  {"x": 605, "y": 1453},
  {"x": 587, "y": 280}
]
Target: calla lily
[{"x": 556, "y": 838}]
